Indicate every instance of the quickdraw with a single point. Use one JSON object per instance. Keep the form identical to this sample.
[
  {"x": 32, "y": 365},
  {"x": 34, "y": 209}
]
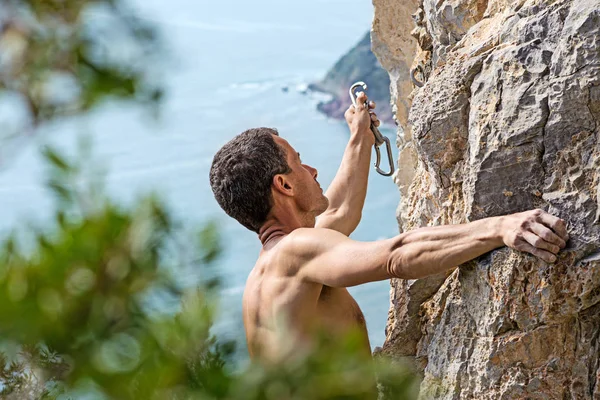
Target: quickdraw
[{"x": 379, "y": 138}]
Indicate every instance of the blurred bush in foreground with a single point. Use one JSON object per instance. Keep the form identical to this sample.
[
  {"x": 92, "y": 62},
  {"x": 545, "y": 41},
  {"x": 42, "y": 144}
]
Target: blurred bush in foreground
[
  {"x": 75, "y": 308},
  {"x": 78, "y": 321}
]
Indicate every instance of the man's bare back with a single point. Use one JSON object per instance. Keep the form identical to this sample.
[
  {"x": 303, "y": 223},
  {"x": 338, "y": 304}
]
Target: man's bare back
[{"x": 283, "y": 312}]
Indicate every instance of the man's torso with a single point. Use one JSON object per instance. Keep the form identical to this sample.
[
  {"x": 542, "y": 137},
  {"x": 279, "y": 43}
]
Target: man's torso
[{"x": 281, "y": 311}]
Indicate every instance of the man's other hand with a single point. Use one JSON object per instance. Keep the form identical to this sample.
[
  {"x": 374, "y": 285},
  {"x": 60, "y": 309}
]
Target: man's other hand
[
  {"x": 535, "y": 232},
  {"x": 359, "y": 118}
]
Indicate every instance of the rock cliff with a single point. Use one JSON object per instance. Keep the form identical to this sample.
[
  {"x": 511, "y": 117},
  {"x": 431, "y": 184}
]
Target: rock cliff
[
  {"x": 359, "y": 64},
  {"x": 507, "y": 119}
]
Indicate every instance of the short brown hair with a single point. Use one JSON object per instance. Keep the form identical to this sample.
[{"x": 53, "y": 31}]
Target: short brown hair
[{"x": 242, "y": 172}]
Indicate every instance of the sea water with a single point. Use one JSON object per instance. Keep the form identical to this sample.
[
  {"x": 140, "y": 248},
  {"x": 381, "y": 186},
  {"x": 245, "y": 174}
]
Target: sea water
[{"x": 227, "y": 65}]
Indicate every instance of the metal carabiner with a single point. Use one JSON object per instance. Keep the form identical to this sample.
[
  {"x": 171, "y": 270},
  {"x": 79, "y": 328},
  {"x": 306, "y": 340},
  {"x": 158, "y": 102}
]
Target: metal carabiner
[{"x": 379, "y": 138}]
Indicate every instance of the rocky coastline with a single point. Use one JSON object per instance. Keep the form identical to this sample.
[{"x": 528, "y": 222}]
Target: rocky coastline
[{"x": 358, "y": 64}]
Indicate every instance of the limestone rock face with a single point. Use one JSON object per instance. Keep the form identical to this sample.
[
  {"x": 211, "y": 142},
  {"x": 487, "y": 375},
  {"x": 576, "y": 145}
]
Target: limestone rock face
[
  {"x": 508, "y": 120},
  {"x": 395, "y": 47}
]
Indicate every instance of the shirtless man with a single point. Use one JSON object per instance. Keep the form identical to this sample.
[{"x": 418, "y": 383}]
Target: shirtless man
[{"x": 299, "y": 282}]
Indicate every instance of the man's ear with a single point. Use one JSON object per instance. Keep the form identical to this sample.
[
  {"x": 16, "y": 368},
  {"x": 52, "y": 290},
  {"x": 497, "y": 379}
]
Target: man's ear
[{"x": 283, "y": 185}]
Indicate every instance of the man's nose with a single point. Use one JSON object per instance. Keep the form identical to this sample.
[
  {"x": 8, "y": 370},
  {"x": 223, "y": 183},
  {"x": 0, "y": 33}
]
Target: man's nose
[{"x": 313, "y": 171}]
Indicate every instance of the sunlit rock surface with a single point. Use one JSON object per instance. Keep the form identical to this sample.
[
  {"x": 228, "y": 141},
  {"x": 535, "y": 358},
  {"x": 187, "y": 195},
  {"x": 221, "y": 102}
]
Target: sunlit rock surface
[{"x": 507, "y": 119}]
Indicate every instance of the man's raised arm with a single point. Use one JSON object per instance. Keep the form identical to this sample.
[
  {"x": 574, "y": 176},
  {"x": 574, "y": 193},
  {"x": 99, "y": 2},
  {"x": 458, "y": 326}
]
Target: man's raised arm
[
  {"x": 332, "y": 259},
  {"x": 348, "y": 189}
]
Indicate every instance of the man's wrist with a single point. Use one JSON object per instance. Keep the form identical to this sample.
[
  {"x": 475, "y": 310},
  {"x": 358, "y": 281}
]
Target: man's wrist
[
  {"x": 364, "y": 136},
  {"x": 497, "y": 229}
]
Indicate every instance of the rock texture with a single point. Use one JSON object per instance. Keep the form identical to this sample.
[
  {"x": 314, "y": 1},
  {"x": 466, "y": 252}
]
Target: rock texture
[
  {"x": 395, "y": 48},
  {"x": 508, "y": 119},
  {"x": 359, "y": 64}
]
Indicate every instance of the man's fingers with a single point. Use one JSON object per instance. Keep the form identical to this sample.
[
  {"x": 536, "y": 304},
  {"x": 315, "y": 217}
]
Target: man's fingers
[
  {"x": 361, "y": 98},
  {"x": 556, "y": 224},
  {"x": 539, "y": 253},
  {"x": 375, "y": 120},
  {"x": 547, "y": 234},
  {"x": 349, "y": 112},
  {"x": 540, "y": 243}
]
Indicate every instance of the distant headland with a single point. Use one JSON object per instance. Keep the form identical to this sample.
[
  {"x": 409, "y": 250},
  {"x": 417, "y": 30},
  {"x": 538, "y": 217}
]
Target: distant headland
[{"x": 358, "y": 64}]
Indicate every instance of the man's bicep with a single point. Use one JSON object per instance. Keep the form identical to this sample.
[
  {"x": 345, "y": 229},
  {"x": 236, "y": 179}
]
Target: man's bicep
[
  {"x": 337, "y": 261},
  {"x": 331, "y": 220}
]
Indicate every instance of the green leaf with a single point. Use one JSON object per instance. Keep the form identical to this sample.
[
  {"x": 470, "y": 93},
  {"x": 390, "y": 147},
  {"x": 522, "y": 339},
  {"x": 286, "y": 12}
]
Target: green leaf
[
  {"x": 56, "y": 160},
  {"x": 60, "y": 190},
  {"x": 209, "y": 242}
]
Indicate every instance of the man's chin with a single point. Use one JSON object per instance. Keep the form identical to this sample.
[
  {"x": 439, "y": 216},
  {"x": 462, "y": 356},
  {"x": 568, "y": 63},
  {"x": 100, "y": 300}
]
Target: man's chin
[{"x": 324, "y": 205}]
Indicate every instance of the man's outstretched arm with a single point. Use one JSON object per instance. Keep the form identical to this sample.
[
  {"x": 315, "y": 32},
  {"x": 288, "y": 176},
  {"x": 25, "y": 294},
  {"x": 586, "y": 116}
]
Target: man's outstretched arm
[
  {"x": 348, "y": 189},
  {"x": 327, "y": 257}
]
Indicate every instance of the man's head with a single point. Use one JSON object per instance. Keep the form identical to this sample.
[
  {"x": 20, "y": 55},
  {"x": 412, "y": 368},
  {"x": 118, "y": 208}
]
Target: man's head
[{"x": 258, "y": 170}]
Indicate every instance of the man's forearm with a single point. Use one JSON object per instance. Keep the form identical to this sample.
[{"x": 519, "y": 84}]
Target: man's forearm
[
  {"x": 348, "y": 189},
  {"x": 431, "y": 250}
]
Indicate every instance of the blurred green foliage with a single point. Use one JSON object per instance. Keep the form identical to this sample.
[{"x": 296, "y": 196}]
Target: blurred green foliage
[
  {"x": 75, "y": 306},
  {"x": 62, "y": 57},
  {"x": 78, "y": 318},
  {"x": 81, "y": 314}
]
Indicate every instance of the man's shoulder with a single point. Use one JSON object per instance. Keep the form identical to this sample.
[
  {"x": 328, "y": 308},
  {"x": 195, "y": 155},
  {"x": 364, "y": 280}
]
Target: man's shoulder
[
  {"x": 303, "y": 239},
  {"x": 293, "y": 251},
  {"x": 305, "y": 243},
  {"x": 295, "y": 248},
  {"x": 296, "y": 243}
]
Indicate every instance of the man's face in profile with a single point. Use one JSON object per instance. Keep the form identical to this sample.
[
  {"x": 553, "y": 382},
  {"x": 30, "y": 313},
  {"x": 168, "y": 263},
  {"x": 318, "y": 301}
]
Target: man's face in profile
[{"x": 307, "y": 190}]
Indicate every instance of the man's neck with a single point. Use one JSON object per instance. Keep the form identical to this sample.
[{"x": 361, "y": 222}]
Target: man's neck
[
  {"x": 275, "y": 228},
  {"x": 270, "y": 231}
]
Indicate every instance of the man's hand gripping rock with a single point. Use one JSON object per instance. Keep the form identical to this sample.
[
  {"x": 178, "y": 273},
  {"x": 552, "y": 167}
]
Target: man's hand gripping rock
[{"x": 535, "y": 232}]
